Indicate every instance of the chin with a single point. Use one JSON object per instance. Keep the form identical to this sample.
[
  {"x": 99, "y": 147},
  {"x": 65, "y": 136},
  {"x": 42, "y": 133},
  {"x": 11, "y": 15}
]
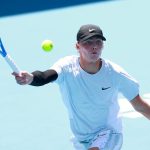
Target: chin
[{"x": 93, "y": 60}]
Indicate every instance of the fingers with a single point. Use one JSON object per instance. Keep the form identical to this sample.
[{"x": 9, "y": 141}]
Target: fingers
[
  {"x": 23, "y": 77},
  {"x": 15, "y": 74},
  {"x": 21, "y": 81},
  {"x": 20, "y": 74}
]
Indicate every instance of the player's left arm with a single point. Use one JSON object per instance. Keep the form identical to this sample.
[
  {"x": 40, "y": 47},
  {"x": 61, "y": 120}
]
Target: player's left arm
[{"x": 141, "y": 106}]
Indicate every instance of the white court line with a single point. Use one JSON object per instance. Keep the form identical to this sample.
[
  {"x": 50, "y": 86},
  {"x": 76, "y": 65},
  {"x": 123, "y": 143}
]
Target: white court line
[
  {"x": 147, "y": 95},
  {"x": 126, "y": 109}
]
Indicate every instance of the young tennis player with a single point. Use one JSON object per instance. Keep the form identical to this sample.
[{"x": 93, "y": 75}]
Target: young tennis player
[{"x": 89, "y": 86}]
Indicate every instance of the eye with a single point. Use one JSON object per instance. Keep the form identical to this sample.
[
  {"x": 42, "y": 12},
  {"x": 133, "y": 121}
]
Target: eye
[
  {"x": 99, "y": 42},
  {"x": 88, "y": 42}
]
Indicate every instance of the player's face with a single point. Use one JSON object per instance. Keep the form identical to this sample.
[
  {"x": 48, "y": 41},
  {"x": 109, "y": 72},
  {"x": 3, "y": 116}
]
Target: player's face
[{"x": 90, "y": 50}]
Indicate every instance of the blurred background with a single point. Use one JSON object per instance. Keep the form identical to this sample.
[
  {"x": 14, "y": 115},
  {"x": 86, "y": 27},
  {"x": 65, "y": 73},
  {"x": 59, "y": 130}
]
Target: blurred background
[{"x": 35, "y": 118}]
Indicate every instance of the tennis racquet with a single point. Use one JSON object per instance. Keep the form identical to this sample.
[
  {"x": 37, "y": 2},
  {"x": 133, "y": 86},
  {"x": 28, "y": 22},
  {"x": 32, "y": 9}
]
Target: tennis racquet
[{"x": 8, "y": 59}]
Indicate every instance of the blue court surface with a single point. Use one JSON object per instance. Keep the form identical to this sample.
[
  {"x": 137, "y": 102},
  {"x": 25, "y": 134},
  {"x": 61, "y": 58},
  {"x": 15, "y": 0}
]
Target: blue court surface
[{"x": 35, "y": 118}]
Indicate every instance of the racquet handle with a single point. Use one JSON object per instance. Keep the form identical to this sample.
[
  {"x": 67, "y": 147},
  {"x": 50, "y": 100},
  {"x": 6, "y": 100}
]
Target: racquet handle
[{"x": 12, "y": 64}]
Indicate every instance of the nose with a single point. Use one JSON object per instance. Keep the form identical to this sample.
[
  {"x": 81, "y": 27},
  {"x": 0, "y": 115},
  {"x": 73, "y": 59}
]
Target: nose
[{"x": 94, "y": 47}]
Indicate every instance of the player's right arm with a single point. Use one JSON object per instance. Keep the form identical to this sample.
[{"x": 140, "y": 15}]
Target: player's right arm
[{"x": 36, "y": 78}]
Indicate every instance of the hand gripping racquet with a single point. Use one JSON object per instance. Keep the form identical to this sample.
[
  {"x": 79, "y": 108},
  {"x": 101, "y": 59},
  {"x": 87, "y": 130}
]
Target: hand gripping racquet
[{"x": 8, "y": 59}]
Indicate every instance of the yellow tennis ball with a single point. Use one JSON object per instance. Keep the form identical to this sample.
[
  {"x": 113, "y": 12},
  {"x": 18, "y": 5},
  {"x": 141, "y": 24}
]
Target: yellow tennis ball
[{"x": 47, "y": 45}]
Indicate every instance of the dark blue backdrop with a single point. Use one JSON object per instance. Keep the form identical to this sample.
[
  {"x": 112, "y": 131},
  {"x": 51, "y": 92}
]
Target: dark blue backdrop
[{"x": 13, "y": 7}]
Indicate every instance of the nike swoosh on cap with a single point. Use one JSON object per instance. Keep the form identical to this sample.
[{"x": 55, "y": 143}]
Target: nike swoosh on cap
[{"x": 91, "y": 30}]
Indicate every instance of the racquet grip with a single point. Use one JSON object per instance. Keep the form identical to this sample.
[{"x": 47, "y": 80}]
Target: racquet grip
[{"x": 12, "y": 64}]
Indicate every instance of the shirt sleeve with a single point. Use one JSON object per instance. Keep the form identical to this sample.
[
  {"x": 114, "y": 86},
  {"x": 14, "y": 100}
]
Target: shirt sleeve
[
  {"x": 58, "y": 67},
  {"x": 128, "y": 86}
]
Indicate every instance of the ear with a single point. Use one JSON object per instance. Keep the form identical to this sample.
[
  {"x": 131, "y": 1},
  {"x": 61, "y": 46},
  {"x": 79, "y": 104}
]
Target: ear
[{"x": 77, "y": 46}]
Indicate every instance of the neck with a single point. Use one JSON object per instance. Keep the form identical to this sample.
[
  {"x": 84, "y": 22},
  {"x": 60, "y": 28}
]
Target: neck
[{"x": 91, "y": 67}]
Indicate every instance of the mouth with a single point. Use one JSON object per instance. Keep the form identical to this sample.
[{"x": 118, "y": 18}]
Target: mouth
[{"x": 94, "y": 53}]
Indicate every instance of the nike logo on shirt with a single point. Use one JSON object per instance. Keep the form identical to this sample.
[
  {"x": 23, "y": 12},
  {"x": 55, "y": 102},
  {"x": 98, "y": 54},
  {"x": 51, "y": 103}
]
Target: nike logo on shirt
[{"x": 105, "y": 88}]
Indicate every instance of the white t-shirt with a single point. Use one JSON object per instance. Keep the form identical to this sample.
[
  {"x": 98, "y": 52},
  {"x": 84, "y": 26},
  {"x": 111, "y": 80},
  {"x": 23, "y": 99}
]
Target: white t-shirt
[{"x": 92, "y": 99}]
